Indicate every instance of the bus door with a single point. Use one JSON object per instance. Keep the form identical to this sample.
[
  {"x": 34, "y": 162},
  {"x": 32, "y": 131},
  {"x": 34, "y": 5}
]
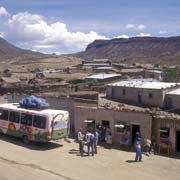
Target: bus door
[{"x": 59, "y": 126}]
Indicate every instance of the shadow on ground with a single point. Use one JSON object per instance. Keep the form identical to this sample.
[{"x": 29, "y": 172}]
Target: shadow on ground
[
  {"x": 33, "y": 146},
  {"x": 131, "y": 161},
  {"x": 76, "y": 152}
]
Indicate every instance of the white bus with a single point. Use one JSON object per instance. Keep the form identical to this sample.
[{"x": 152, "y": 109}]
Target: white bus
[{"x": 33, "y": 125}]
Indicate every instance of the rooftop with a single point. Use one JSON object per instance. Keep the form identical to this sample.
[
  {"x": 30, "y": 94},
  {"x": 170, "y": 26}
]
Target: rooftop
[
  {"x": 154, "y": 71},
  {"x": 96, "y": 64},
  {"x": 144, "y": 83},
  {"x": 108, "y": 68},
  {"x": 102, "y": 76},
  {"x": 175, "y": 92}
]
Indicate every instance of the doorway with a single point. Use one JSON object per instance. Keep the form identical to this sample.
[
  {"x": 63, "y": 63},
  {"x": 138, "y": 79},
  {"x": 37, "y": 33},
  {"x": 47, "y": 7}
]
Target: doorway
[
  {"x": 169, "y": 103},
  {"x": 139, "y": 98},
  {"x": 89, "y": 125},
  {"x": 105, "y": 123},
  {"x": 135, "y": 129},
  {"x": 178, "y": 141}
]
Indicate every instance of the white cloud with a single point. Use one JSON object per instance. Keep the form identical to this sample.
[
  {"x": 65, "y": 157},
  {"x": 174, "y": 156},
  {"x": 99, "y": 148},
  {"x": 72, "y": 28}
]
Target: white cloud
[
  {"x": 135, "y": 26},
  {"x": 3, "y": 12},
  {"x": 162, "y": 32},
  {"x": 140, "y": 26},
  {"x": 33, "y": 31},
  {"x": 130, "y": 26},
  {"x": 144, "y": 35},
  {"x": 121, "y": 36}
]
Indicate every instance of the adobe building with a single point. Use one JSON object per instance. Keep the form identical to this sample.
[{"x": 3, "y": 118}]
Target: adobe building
[
  {"x": 123, "y": 123},
  {"x": 146, "y": 92},
  {"x": 166, "y": 132}
]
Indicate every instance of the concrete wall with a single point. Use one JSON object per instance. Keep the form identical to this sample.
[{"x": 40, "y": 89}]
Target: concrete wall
[{"x": 99, "y": 114}]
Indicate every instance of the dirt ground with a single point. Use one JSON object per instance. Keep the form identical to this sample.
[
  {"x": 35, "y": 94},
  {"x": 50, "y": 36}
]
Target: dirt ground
[{"x": 61, "y": 161}]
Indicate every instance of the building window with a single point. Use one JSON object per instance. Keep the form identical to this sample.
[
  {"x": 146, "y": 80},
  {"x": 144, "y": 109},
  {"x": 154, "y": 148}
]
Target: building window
[
  {"x": 120, "y": 126},
  {"x": 124, "y": 92},
  {"x": 164, "y": 135},
  {"x": 150, "y": 95}
]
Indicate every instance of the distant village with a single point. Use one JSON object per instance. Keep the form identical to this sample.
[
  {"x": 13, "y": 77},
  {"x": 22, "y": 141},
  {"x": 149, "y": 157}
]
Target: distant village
[{"x": 126, "y": 98}]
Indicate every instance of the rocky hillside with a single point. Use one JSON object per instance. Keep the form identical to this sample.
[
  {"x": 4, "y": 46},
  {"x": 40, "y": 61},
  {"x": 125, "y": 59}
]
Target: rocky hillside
[
  {"x": 137, "y": 49},
  {"x": 9, "y": 52}
]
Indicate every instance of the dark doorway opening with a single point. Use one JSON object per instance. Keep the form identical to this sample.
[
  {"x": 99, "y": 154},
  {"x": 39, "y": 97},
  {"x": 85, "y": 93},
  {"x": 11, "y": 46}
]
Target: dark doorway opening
[
  {"x": 178, "y": 141},
  {"x": 139, "y": 98},
  {"x": 169, "y": 103},
  {"x": 135, "y": 129},
  {"x": 90, "y": 125},
  {"x": 105, "y": 123},
  {"x": 104, "y": 126}
]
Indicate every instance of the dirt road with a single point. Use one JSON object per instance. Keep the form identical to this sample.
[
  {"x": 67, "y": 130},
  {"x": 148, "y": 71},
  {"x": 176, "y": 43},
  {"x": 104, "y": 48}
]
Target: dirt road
[{"x": 61, "y": 161}]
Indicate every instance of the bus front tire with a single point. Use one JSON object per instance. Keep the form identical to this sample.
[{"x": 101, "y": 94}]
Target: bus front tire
[{"x": 25, "y": 140}]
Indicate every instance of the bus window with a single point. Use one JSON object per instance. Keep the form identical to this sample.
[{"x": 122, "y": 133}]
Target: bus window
[
  {"x": 39, "y": 122},
  {"x": 14, "y": 117},
  {"x": 26, "y": 119},
  {"x": 4, "y": 115}
]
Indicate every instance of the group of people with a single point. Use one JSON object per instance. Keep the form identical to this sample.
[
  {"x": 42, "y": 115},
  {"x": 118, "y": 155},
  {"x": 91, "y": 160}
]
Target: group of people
[{"x": 90, "y": 139}]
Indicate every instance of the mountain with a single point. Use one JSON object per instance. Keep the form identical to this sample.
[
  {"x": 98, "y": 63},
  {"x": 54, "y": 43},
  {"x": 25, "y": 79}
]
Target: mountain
[
  {"x": 137, "y": 49},
  {"x": 9, "y": 52}
]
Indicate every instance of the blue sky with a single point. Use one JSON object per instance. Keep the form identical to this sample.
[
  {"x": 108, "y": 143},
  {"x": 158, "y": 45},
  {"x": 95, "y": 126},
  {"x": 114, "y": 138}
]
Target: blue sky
[{"x": 65, "y": 26}]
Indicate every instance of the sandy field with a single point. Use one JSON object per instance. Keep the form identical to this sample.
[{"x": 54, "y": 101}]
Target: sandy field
[{"x": 61, "y": 161}]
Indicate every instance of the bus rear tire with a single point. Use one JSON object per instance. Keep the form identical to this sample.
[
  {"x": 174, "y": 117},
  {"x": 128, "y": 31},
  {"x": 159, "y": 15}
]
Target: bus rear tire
[{"x": 25, "y": 140}]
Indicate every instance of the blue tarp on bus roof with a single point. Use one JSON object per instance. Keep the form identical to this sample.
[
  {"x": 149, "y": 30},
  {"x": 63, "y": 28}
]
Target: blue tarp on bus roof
[{"x": 33, "y": 102}]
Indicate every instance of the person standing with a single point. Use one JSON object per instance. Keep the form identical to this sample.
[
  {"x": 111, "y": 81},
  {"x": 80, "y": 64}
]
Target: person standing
[
  {"x": 90, "y": 143},
  {"x": 96, "y": 136},
  {"x": 80, "y": 140},
  {"x": 88, "y": 136},
  {"x": 138, "y": 147},
  {"x": 147, "y": 147}
]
